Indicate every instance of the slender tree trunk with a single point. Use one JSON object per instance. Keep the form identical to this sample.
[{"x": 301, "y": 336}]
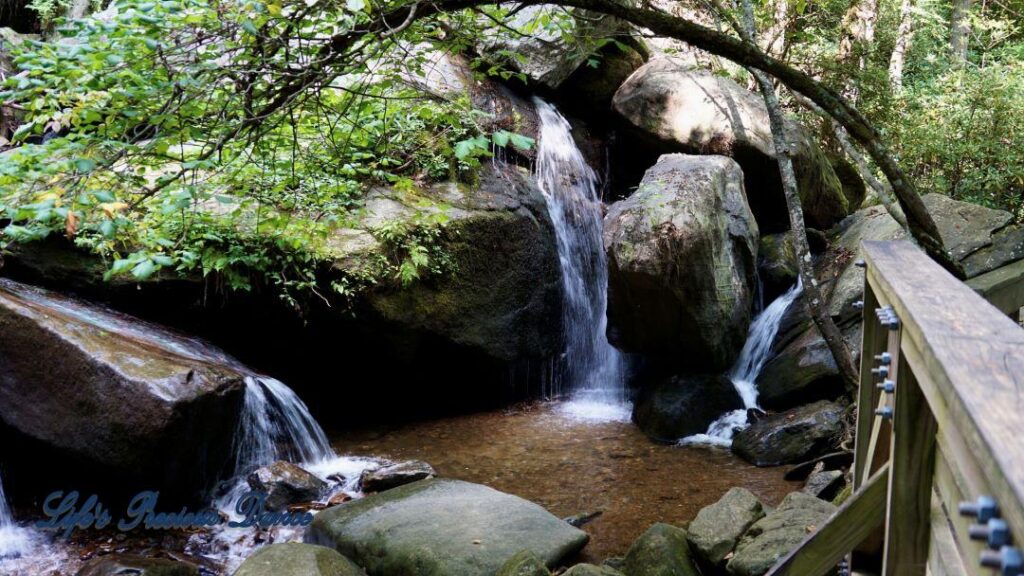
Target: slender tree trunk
[
  {"x": 960, "y": 30},
  {"x": 811, "y": 290},
  {"x": 904, "y": 35},
  {"x": 858, "y": 36},
  {"x": 775, "y": 38}
]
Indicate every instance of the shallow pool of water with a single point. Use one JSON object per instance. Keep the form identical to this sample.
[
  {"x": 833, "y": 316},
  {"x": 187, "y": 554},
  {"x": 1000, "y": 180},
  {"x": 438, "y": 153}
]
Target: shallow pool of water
[{"x": 573, "y": 466}]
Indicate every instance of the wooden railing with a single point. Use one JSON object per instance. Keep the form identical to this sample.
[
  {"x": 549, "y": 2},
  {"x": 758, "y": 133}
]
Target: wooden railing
[{"x": 940, "y": 425}]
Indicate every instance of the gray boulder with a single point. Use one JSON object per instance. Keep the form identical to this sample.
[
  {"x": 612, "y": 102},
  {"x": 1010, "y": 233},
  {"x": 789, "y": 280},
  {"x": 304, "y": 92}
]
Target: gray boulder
[
  {"x": 524, "y": 563},
  {"x": 440, "y": 527},
  {"x": 544, "y": 56},
  {"x": 776, "y": 264},
  {"x": 123, "y": 564},
  {"x": 681, "y": 262},
  {"x": 802, "y": 369},
  {"x": 824, "y": 484},
  {"x": 660, "y": 551},
  {"x": 773, "y": 536},
  {"x": 684, "y": 405},
  {"x": 148, "y": 403},
  {"x": 285, "y": 484},
  {"x": 792, "y": 436},
  {"x": 717, "y": 529},
  {"x": 295, "y": 559},
  {"x": 696, "y": 111},
  {"x": 395, "y": 475}
]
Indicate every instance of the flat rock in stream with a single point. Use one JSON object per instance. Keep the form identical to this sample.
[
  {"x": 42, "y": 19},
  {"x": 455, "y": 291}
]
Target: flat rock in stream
[
  {"x": 295, "y": 559},
  {"x": 285, "y": 484},
  {"x": 713, "y": 534},
  {"x": 442, "y": 527},
  {"x": 791, "y": 436},
  {"x": 395, "y": 475}
]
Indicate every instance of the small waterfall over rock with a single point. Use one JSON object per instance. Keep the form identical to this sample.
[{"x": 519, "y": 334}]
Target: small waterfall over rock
[
  {"x": 592, "y": 373},
  {"x": 747, "y": 368}
]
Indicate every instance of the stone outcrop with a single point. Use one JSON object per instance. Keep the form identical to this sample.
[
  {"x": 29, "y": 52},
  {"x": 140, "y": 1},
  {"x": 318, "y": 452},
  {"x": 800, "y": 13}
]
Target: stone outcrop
[
  {"x": 684, "y": 405},
  {"x": 791, "y": 436},
  {"x": 773, "y": 536},
  {"x": 681, "y": 262}
]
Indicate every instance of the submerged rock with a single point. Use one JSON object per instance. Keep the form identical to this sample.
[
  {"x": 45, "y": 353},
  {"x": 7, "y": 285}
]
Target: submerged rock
[
  {"x": 395, "y": 475},
  {"x": 684, "y": 405},
  {"x": 681, "y": 263},
  {"x": 150, "y": 404},
  {"x": 125, "y": 564},
  {"x": 591, "y": 570},
  {"x": 717, "y": 529},
  {"x": 791, "y": 436},
  {"x": 660, "y": 551},
  {"x": 695, "y": 111},
  {"x": 441, "y": 527},
  {"x": 524, "y": 563},
  {"x": 295, "y": 559},
  {"x": 773, "y": 536},
  {"x": 286, "y": 484}
]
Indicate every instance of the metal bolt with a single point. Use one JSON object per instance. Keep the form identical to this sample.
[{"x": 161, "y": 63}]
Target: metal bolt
[
  {"x": 860, "y": 264},
  {"x": 858, "y": 305},
  {"x": 1009, "y": 561},
  {"x": 885, "y": 413},
  {"x": 984, "y": 509},
  {"x": 881, "y": 371},
  {"x": 887, "y": 386},
  {"x": 996, "y": 533},
  {"x": 884, "y": 358}
]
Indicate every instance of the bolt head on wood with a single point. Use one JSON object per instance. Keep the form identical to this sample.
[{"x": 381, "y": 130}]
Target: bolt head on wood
[
  {"x": 984, "y": 509},
  {"x": 884, "y": 358},
  {"x": 995, "y": 533},
  {"x": 1009, "y": 561},
  {"x": 881, "y": 371},
  {"x": 887, "y": 386},
  {"x": 860, "y": 263},
  {"x": 884, "y": 413}
]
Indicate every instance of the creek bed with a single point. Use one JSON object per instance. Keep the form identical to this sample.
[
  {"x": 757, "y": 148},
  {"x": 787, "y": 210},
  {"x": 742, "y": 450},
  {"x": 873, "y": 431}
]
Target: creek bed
[{"x": 572, "y": 466}]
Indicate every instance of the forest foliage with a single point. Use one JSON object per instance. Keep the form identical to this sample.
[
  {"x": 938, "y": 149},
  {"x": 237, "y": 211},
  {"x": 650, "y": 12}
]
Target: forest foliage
[{"x": 181, "y": 136}]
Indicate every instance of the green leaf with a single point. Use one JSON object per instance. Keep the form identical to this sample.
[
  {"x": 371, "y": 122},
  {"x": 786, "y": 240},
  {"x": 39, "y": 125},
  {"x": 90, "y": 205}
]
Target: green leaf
[
  {"x": 355, "y": 5},
  {"x": 144, "y": 269},
  {"x": 86, "y": 165}
]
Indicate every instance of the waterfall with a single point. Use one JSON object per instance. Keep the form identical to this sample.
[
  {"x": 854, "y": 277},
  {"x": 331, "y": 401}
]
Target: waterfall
[
  {"x": 14, "y": 540},
  {"x": 747, "y": 368},
  {"x": 592, "y": 371}
]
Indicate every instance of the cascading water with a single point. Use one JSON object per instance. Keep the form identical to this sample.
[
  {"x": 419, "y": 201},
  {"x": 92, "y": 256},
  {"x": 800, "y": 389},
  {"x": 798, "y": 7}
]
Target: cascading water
[
  {"x": 592, "y": 371},
  {"x": 747, "y": 368},
  {"x": 14, "y": 540}
]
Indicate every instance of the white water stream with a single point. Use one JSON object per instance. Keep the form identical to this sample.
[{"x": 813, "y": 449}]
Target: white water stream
[
  {"x": 592, "y": 372},
  {"x": 745, "y": 371}
]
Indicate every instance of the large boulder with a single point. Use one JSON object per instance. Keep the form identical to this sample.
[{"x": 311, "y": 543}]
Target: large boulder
[
  {"x": 660, "y": 551},
  {"x": 284, "y": 484},
  {"x": 695, "y": 111},
  {"x": 295, "y": 559},
  {"x": 543, "y": 53},
  {"x": 773, "y": 536},
  {"x": 717, "y": 529},
  {"x": 441, "y": 527},
  {"x": 134, "y": 398},
  {"x": 681, "y": 262},
  {"x": 792, "y": 436},
  {"x": 684, "y": 405},
  {"x": 124, "y": 564},
  {"x": 801, "y": 368},
  {"x": 981, "y": 238}
]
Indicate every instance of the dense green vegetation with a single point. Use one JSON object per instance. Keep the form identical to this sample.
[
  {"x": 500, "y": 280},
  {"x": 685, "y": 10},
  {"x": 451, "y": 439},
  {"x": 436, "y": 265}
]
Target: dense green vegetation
[{"x": 186, "y": 136}]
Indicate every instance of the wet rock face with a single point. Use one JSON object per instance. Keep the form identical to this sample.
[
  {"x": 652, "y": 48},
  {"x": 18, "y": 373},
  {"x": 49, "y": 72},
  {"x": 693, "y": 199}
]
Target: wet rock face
[
  {"x": 717, "y": 529},
  {"x": 119, "y": 565},
  {"x": 792, "y": 436},
  {"x": 115, "y": 391},
  {"x": 441, "y": 527},
  {"x": 684, "y": 405},
  {"x": 681, "y": 263},
  {"x": 802, "y": 368},
  {"x": 286, "y": 484},
  {"x": 777, "y": 265},
  {"x": 395, "y": 475},
  {"x": 295, "y": 559},
  {"x": 660, "y": 551},
  {"x": 772, "y": 537},
  {"x": 692, "y": 110}
]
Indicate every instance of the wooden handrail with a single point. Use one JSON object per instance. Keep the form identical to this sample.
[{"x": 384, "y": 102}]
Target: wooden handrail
[{"x": 949, "y": 429}]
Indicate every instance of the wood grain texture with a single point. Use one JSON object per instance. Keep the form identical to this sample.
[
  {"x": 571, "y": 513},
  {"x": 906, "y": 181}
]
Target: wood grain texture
[
  {"x": 819, "y": 553},
  {"x": 973, "y": 355},
  {"x": 873, "y": 341}
]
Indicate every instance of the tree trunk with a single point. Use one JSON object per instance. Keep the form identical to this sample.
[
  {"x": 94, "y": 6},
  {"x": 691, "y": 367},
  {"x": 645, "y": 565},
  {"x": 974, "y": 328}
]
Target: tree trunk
[
  {"x": 960, "y": 30},
  {"x": 904, "y": 35},
  {"x": 798, "y": 232},
  {"x": 775, "y": 38},
  {"x": 858, "y": 36}
]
